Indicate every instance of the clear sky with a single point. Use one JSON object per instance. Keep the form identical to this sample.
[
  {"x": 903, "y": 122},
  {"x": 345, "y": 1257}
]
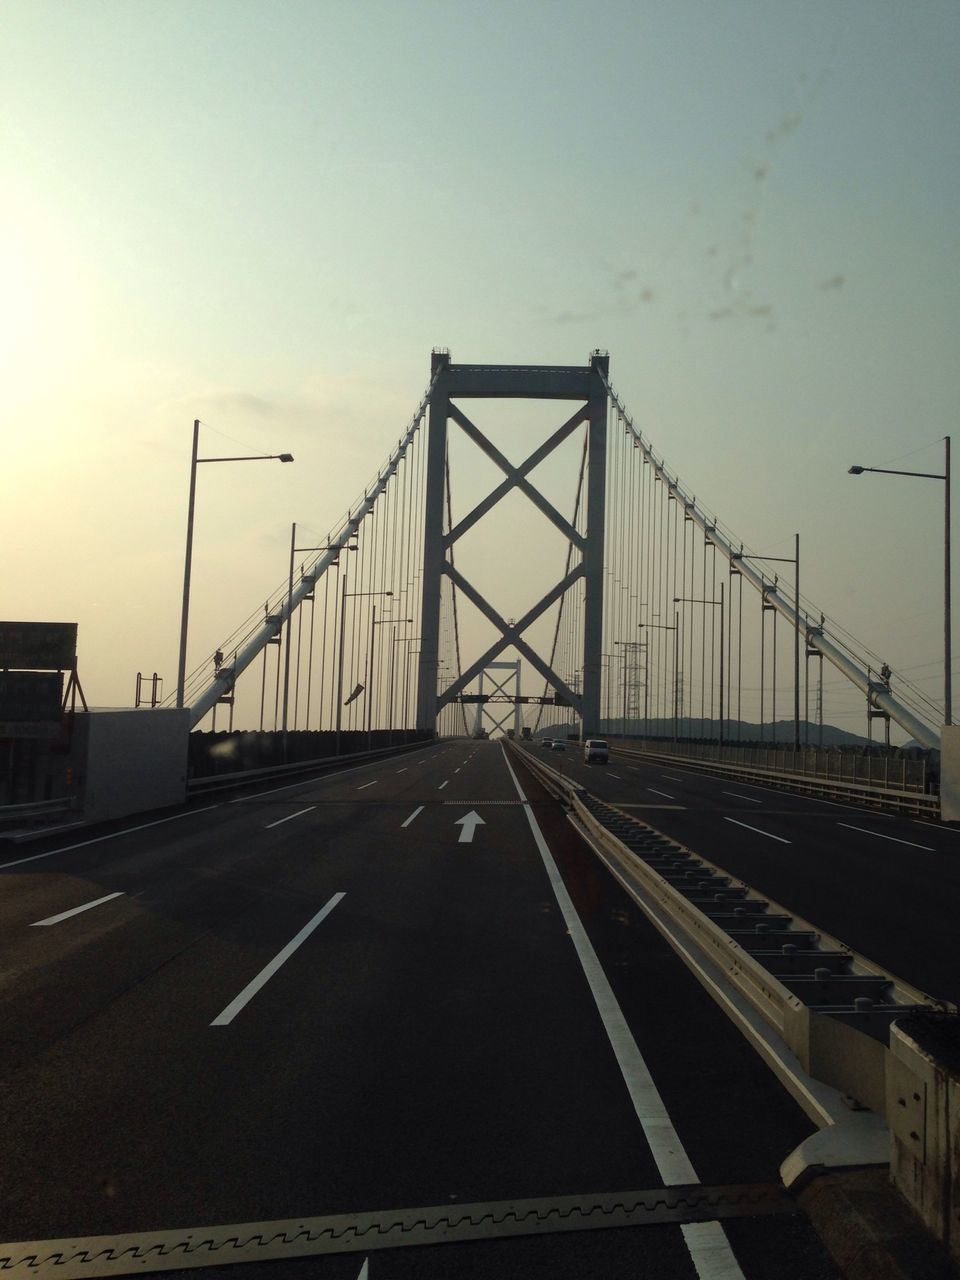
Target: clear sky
[{"x": 265, "y": 215}]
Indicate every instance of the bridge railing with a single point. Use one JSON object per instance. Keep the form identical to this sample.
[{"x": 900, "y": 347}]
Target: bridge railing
[
  {"x": 859, "y": 792},
  {"x": 901, "y": 774}
]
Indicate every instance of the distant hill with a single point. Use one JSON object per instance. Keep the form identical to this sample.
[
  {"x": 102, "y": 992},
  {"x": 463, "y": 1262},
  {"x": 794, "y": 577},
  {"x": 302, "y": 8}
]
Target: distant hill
[{"x": 780, "y": 734}]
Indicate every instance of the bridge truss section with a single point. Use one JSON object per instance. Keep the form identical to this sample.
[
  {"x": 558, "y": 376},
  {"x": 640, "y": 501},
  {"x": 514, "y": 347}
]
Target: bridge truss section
[{"x": 452, "y": 383}]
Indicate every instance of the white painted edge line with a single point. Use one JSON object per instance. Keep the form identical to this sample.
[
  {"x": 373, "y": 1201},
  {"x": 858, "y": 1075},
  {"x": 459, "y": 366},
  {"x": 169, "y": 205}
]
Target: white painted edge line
[
  {"x": 880, "y": 836},
  {"x": 266, "y": 973},
  {"x": 289, "y": 817},
  {"x": 661, "y": 793},
  {"x": 364, "y": 1270},
  {"x": 363, "y": 785},
  {"x": 113, "y": 835},
  {"x": 937, "y": 826},
  {"x": 413, "y": 815},
  {"x": 737, "y": 796},
  {"x": 768, "y": 834},
  {"x": 710, "y": 1252},
  {"x": 442, "y": 785},
  {"x": 65, "y": 915}
]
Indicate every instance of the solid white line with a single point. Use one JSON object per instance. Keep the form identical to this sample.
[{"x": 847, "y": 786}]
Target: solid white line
[
  {"x": 768, "y": 834},
  {"x": 364, "y": 1270},
  {"x": 737, "y": 796},
  {"x": 67, "y": 848},
  {"x": 412, "y": 816},
  {"x": 65, "y": 915},
  {"x": 289, "y": 817},
  {"x": 710, "y": 1251},
  {"x": 442, "y": 785},
  {"x": 309, "y": 782},
  {"x": 661, "y": 793},
  {"x": 266, "y": 973},
  {"x": 880, "y": 836},
  {"x": 363, "y": 785}
]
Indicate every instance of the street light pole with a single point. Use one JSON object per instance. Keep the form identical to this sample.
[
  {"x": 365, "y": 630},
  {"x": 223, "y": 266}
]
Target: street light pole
[
  {"x": 286, "y": 664},
  {"x": 188, "y": 557},
  {"x": 343, "y": 618},
  {"x": 715, "y": 604},
  {"x": 947, "y": 593}
]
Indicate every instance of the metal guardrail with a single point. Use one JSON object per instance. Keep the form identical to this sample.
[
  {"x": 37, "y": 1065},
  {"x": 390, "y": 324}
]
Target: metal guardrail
[
  {"x": 882, "y": 797},
  {"x": 36, "y": 809},
  {"x": 832, "y": 1007}
]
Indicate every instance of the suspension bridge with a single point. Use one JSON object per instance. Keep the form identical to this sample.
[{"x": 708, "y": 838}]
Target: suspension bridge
[
  {"x": 376, "y": 991},
  {"x": 662, "y": 622}
]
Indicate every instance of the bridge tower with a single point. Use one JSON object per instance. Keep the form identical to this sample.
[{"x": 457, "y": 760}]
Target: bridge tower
[{"x": 450, "y": 383}]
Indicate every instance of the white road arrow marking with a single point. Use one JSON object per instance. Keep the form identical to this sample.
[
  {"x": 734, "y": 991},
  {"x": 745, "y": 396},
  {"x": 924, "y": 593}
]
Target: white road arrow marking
[{"x": 468, "y": 826}]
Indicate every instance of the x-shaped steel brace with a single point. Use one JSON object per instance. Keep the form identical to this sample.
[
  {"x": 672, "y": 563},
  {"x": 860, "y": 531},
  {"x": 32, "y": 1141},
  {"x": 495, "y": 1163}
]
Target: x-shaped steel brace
[
  {"x": 516, "y": 477},
  {"x": 511, "y": 635}
]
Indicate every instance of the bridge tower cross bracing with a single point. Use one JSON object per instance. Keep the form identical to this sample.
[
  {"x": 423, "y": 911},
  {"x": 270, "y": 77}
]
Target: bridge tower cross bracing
[{"x": 450, "y": 383}]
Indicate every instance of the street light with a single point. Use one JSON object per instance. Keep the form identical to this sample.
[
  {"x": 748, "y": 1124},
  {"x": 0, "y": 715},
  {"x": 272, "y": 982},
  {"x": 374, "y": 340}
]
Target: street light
[
  {"x": 795, "y": 561},
  {"x": 715, "y": 604},
  {"x": 334, "y": 546},
  {"x": 947, "y": 624},
  {"x": 188, "y": 558},
  {"x": 344, "y": 597},
  {"x": 375, "y": 623},
  {"x": 662, "y": 626}
]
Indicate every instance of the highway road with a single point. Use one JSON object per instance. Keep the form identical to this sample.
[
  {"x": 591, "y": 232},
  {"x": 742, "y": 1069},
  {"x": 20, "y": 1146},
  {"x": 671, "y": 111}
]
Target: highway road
[
  {"x": 402, "y": 985},
  {"x": 885, "y": 884}
]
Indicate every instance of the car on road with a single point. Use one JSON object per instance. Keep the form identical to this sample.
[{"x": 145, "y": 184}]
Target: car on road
[
  {"x": 558, "y": 745},
  {"x": 595, "y": 750},
  {"x": 546, "y": 742}
]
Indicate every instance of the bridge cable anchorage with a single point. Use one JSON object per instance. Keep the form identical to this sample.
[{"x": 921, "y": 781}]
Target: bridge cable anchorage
[{"x": 814, "y": 633}]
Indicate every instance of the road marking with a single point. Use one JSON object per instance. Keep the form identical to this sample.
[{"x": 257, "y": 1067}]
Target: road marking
[
  {"x": 267, "y": 972},
  {"x": 661, "y": 793},
  {"x": 363, "y": 785},
  {"x": 881, "y": 836},
  {"x": 65, "y": 915},
  {"x": 68, "y": 848},
  {"x": 614, "y": 775},
  {"x": 737, "y": 796},
  {"x": 468, "y": 825},
  {"x": 673, "y": 777},
  {"x": 416, "y": 811},
  {"x": 289, "y": 817},
  {"x": 442, "y": 785},
  {"x": 768, "y": 834},
  {"x": 404, "y": 770},
  {"x": 457, "y": 770},
  {"x": 710, "y": 1252},
  {"x": 364, "y": 1270}
]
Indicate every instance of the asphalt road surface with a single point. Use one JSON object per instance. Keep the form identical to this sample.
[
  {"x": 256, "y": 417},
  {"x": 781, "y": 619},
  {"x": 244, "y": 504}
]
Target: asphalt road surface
[
  {"x": 885, "y": 884},
  {"x": 405, "y": 984}
]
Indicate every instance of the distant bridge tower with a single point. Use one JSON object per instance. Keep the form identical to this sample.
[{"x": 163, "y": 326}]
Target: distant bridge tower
[{"x": 451, "y": 382}]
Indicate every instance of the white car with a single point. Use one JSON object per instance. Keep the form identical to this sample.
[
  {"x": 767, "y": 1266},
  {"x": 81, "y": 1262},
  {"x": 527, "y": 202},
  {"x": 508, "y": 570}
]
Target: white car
[{"x": 596, "y": 750}]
